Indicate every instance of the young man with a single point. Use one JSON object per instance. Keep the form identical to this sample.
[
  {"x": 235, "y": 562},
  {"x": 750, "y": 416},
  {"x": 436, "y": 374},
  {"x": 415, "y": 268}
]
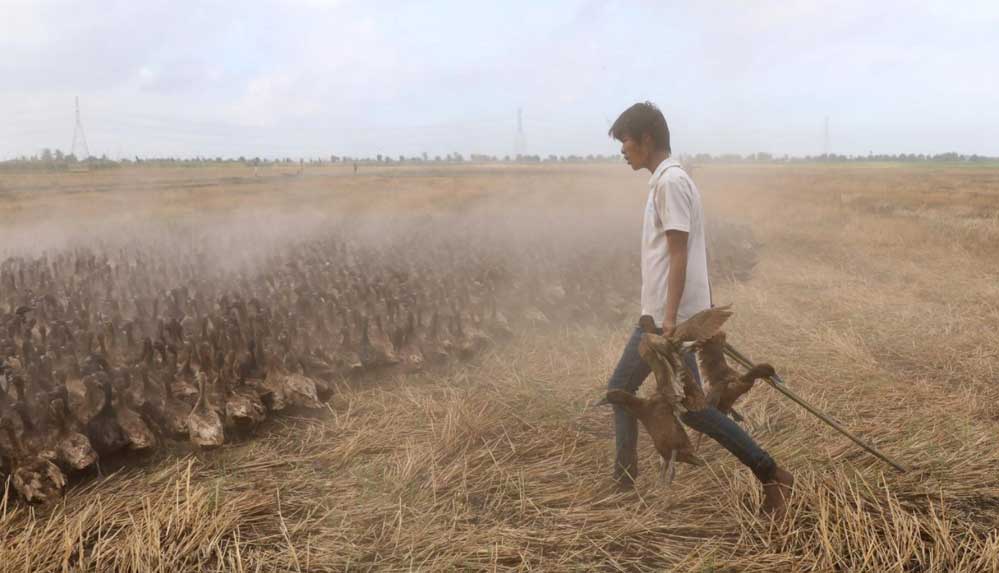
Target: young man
[{"x": 674, "y": 287}]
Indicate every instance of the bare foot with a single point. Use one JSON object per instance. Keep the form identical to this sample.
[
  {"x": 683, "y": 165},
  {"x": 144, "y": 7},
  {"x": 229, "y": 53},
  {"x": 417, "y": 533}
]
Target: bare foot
[{"x": 776, "y": 493}]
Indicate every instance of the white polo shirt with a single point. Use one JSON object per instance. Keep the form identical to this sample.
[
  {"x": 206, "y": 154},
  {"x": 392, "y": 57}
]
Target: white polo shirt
[{"x": 674, "y": 204}]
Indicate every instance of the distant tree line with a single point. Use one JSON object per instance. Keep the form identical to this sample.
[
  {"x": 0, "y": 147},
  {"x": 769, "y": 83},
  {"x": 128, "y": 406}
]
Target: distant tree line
[
  {"x": 950, "y": 157},
  {"x": 55, "y": 160}
]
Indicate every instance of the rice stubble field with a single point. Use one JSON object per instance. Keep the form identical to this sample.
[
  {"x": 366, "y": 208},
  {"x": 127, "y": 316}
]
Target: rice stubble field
[{"x": 875, "y": 296}]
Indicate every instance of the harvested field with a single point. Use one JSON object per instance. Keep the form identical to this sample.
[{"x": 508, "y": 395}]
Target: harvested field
[{"x": 875, "y": 296}]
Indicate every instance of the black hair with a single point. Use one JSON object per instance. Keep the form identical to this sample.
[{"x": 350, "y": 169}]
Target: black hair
[{"x": 639, "y": 120}]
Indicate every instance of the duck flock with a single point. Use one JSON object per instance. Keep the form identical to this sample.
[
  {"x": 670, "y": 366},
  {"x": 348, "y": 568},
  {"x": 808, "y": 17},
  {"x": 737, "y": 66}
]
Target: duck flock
[{"x": 138, "y": 344}]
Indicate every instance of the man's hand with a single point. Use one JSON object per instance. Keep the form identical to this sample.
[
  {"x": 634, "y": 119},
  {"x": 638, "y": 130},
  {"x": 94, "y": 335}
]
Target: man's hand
[
  {"x": 669, "y": 327},
  {"x": 647, "y": 324}
]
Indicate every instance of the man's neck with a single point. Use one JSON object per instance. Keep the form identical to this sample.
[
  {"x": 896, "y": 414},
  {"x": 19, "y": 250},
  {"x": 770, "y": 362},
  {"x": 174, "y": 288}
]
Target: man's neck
[{"x": 655, "y": 160}]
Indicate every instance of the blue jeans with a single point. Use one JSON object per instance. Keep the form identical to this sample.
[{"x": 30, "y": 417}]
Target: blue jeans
[{"x": 631, "y": 371}]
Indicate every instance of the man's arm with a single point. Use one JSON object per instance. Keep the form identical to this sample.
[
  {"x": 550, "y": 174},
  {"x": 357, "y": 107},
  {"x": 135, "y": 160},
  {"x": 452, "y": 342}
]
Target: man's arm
[{"x": 677, "y": 278}]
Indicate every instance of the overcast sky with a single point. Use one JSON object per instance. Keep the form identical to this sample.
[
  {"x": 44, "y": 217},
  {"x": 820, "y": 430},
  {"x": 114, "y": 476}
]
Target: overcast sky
[{"x": 320, "y": 77}]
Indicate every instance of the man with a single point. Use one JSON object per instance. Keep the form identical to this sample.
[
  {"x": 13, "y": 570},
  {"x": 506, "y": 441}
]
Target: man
[{"x": 675, "y": 287}]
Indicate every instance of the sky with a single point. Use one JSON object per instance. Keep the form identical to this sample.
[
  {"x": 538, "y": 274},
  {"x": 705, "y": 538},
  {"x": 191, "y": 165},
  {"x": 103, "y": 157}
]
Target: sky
[{"x": 312, "y": 78}]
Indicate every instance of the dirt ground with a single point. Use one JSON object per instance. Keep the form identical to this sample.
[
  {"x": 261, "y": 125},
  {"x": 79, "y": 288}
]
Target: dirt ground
[{"x": 876, "y": 297}]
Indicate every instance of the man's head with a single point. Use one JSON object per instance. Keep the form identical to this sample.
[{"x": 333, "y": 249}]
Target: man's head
[{"x": 643, "y": 132}]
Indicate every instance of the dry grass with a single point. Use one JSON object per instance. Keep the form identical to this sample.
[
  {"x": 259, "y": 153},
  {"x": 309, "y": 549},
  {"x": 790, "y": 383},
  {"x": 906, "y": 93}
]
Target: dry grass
[{"x": 872, "y": 298}]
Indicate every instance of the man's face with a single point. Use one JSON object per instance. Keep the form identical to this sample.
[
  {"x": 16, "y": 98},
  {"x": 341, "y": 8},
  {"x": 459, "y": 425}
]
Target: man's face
[{"x": 634, "y": 152}]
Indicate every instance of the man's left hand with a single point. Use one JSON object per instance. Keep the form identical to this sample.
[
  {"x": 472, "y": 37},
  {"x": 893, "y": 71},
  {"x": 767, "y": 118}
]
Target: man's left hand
[{"x": 669, "y": 326}]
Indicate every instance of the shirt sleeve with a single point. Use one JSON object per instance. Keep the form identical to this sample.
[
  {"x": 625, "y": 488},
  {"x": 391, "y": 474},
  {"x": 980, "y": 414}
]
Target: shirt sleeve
[{"x": 675, "y": 210}]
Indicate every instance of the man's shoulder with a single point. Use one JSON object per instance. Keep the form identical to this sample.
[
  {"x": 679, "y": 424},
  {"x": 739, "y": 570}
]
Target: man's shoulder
[{"x": 674, "y": 178}]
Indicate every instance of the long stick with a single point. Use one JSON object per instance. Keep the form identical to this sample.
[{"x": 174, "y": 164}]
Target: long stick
[{"x": 779, "y": 385}]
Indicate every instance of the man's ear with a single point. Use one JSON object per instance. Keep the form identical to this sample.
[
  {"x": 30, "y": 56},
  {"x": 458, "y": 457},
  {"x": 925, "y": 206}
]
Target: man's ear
[{"x": 648, "y": 142}]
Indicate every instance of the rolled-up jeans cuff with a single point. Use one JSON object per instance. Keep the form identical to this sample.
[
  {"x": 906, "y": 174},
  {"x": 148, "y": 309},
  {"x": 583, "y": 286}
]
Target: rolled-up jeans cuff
[{"x": 764, "y": 469}]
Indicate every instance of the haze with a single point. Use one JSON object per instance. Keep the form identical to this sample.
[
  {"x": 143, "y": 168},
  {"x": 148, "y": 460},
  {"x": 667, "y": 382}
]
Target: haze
[{"x": 313, "y": 78}]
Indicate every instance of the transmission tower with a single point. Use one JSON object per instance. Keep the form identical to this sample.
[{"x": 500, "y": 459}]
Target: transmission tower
[
  {"x": 79, "y": 149},
  {"x": 520, "y": 143},
  {"x": 825, "y": 139}
]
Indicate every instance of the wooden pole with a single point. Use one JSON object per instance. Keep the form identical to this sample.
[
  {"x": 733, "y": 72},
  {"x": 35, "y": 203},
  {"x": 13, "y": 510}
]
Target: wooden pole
[{"x": 779, "y": 385}]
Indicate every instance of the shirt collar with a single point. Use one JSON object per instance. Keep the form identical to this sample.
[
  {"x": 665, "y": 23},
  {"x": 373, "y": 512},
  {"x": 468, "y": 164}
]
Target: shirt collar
[{"x": 663, "y": 165}]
